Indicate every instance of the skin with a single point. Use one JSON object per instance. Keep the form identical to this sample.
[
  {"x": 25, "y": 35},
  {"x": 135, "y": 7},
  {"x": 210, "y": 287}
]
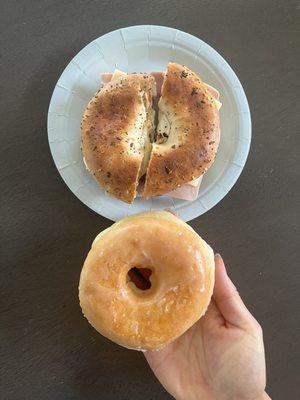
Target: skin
[{"x": 221, "y": 357}]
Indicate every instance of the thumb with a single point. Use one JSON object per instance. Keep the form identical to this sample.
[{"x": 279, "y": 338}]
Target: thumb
[{"x": 228, "y": 300}]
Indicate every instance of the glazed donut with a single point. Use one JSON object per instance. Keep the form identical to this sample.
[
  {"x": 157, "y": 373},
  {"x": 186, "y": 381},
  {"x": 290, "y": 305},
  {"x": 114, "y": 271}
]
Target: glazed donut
[{"x": 146, "y": 280}]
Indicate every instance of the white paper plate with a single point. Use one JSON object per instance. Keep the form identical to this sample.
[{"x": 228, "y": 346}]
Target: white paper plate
[{"x": 146, "y": 48}]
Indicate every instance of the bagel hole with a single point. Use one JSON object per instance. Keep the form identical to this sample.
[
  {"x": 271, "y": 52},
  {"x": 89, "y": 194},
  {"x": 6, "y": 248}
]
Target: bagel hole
[{"x": 140, "y": 277}]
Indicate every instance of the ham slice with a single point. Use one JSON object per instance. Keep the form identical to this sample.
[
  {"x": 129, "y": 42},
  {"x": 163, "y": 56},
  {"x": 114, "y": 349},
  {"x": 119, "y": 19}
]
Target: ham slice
[
  {"x": 106, "y": 78},
  {"x": 186, "y": 192},
  {"x": 159, "y": 78},
  {"x": 214, "y": 92}
]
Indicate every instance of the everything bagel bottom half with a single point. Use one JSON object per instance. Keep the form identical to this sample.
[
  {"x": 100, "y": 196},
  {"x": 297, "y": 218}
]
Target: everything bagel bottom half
[{"x": 146, "y": 280}]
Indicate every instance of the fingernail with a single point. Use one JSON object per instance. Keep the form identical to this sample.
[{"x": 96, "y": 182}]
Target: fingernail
[{"x": 219, "y": 257}]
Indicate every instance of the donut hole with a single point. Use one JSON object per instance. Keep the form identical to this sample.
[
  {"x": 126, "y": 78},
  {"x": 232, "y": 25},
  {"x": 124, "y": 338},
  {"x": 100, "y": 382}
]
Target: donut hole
[{"x": 140, "y": 277}]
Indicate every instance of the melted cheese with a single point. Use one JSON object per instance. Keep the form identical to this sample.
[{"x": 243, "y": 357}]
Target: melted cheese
[
  {"x": 218, "y": 104},
  {"x": 195, "y": 182},
  {"x": 117, "y": 74}
]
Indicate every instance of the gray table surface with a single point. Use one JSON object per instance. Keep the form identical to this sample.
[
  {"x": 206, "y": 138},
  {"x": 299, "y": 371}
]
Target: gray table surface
[{"x": 48, "y": 351}]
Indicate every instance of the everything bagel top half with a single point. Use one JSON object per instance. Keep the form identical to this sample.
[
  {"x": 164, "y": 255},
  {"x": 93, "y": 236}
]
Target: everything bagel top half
[
  {"x": 146, "y": 280},
  {"x": 162, "y": 129}
]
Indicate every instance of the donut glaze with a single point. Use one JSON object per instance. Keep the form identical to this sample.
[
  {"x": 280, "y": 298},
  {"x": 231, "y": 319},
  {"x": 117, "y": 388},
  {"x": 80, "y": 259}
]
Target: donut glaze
[{"x": 182, "y": 279}]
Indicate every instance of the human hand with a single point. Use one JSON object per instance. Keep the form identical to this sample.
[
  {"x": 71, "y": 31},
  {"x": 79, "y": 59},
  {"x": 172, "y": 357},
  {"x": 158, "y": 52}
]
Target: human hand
[{"x": 221, "y": 357}]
